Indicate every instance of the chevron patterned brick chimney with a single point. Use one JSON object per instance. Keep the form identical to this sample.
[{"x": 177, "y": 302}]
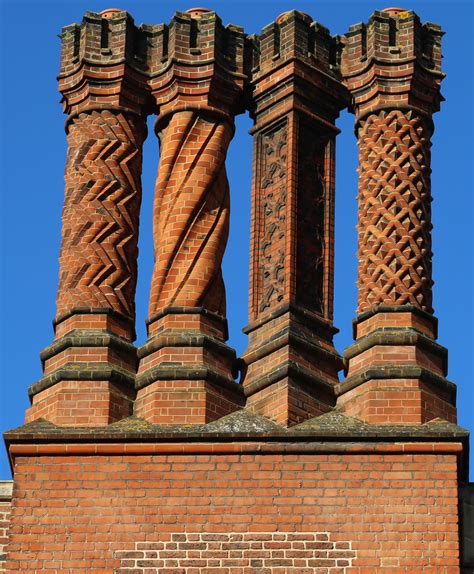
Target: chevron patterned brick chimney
[{"x": 89, "y": 370}]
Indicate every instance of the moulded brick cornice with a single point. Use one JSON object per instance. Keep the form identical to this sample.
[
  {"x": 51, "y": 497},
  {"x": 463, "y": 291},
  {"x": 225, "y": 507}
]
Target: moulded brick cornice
[
  {"x": 400, "y": 336},
  {"x": 393, "y": 61},
  {"x": 103, "y": 64},
  {"x": 428, "y": 317},
  {"x": 84, "y": 372},
  {"x": 297, "y": 58},
  {"x": 398, "y": 371},
  {"x": 294, "y": 84},
  {"x": 300, "y": 376},
  {"x": 198, "y": 372},
  {"x": 197, "y": 63},
  {"x": 186, "y": 339},
  {"x": 88, "y": 338},
  {"x": 292, "y": 336}
]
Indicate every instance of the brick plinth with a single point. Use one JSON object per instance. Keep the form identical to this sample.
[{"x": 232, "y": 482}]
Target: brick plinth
[
  {"x": 395, "y": 369},
  {"x": 75, "y": 401},
  {"x": 272, "y": 507},
  {"x": 89, "y": 371},
  {"x": 186, "y": 371},
  {"x": 291, "y": 362},
  {"x": 290, "y": 367}
]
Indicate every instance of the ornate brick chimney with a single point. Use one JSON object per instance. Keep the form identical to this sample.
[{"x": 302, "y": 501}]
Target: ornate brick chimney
[
  {"x": 297, "y": 94},
  {"x": 396, "y": 370},
  {"x": 186, "y": 372},
  {"x": 291, "y": 470},
  {"x": 89, "y": 370}
]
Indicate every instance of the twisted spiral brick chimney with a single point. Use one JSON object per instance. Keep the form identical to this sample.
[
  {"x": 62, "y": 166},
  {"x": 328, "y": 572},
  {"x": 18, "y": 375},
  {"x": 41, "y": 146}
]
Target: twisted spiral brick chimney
[
  {"x": 297, "y": 94},
  {"x": 90, "y": 368},
  {"x": 186, "y": 371},
  {"x": 396, "y": 370}
]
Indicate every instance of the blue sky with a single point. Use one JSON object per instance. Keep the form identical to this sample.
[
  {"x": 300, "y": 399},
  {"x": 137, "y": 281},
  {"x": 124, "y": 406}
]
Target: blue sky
[{"x": 33, "y": 150}]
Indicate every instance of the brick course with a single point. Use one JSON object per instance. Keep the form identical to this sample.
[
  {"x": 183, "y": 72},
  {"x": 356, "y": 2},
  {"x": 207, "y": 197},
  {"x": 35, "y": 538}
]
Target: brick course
[{"x": 223, "y": 553}]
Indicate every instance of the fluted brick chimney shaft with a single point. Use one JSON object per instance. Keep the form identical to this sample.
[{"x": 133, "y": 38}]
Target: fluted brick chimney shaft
[{"x": 396, "y": 370}]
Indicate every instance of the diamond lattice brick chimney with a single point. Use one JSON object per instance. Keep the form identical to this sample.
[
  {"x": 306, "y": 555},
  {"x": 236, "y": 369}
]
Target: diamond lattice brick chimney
[
  {"x": 89, "y": 370},
  {"x": 297, "y": 94},
  {"x": 396, "y": 370},
  {"x": 186, "y": 371}
]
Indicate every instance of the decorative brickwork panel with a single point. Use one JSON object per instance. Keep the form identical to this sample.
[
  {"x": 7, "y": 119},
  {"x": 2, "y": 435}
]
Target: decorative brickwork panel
[
  {"x": 240, "y": 553},
  {"x": 394, "y": 211},
  {"x": 98, "y": 267},
  {"x": 191, "y": 214},
  {"x": 272, "y": 184},
  {"x": 314, "y": 202}
]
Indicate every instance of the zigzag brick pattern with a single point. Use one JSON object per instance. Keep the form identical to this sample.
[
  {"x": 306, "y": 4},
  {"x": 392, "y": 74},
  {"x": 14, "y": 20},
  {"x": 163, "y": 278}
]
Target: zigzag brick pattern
[
  {"x": 394, "y": 211},
  {"x": 98, "y": 260},
  {"x": 191, "y": 214},
  {"x": 228, "y": 553}
]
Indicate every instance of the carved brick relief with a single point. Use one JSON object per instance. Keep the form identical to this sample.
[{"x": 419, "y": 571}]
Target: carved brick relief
[
  {"x": 394, "y": 211},
  {"x": 311, "y": 218},
  {"x": 101, "y": 211},
  {"x": 273, "y": 198}
]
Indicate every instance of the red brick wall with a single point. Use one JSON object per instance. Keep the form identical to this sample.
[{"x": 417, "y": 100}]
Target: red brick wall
[{"x": 392, "y": 510}]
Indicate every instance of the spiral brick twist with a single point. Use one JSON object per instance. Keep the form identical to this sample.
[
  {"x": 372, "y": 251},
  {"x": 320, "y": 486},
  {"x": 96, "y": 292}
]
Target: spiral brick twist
[
  {"x": 191, "y": 214},
  {"x": 394, "y": 211},
  {"x": 98, "y": 260}
]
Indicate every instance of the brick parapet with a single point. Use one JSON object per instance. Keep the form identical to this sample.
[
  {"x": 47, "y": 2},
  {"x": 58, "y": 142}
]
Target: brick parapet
[{"x": 242, "y": 488}]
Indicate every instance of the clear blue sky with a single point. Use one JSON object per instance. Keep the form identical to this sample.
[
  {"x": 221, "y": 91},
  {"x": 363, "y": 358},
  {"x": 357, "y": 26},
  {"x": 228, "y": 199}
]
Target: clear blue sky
[{"x": 33, "y": 156}]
